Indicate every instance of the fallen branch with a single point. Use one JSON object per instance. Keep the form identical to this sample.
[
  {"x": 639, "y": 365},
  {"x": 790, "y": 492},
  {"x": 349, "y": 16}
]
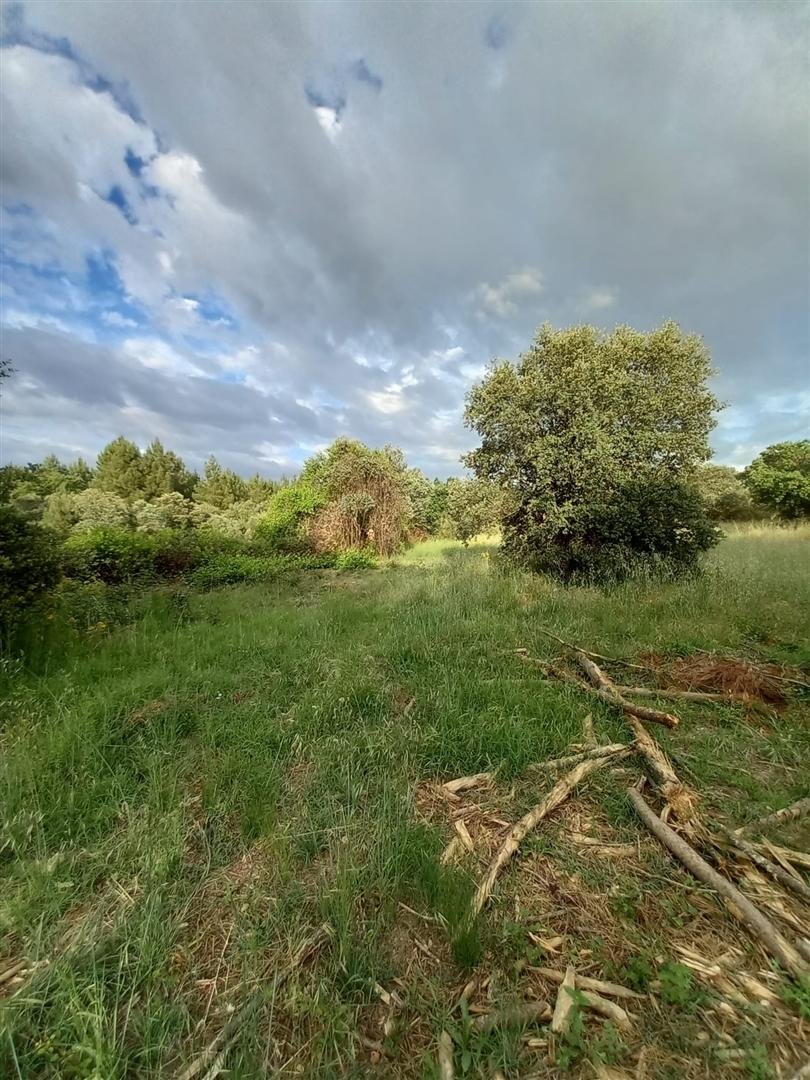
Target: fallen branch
[
  {"x": 585, "y": 983},
  {"x": 741, "y": 907},
  {"x": 595, "y": 655},
  {"x": 463, "y": 783},
  {"x": 796, "y": 885},
  {"x": 789, "y": 855},
  {"x": 564, "y": 1005},
  {"x": 528, "y": 1012},
  {"x": 584, "y": 755},
  {"x": 677, "y": 795},
  {"x": 445, "y": 1056},
  {"x": 558, "y": 794},
  {"x": 678, "y": 695},
  {"x": 588, "y": 736},
  {"x": 606, "y": 1008},
  {"x": 608, "y": 692},
  {"x": 778, "y": 817}
]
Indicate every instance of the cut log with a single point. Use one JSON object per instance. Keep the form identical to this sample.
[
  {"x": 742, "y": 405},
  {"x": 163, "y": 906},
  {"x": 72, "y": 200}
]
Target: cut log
[
  {"x": 778, "y": 817},
  {"x": 558, "y": 794},
  {"x": 565, "y": 1002},
  {"x": 796, "y": 885},
  {"x": 606, "y": 689},
  {"x": 678, "y": 695},
  {"x": 585, "y": 983},
  {"x": 740, "y": 906},
  {"x": 528, "y": 1012}
]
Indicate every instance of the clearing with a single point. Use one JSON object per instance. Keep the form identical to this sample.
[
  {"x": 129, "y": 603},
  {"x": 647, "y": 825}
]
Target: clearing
[{"x": 223, "y": 824}]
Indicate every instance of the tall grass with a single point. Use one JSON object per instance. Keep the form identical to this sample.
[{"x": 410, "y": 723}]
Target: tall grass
[{"x": 187, "y": 796}]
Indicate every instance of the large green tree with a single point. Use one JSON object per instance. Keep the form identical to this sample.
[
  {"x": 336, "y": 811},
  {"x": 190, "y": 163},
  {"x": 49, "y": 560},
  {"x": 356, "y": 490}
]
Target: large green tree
[
  {"x": 585, "y": 421},
  {"x": 725, "y": 495},
  {"x": 779, "y": 479},
  {"x": 119, "y": 469},
  {"x": 163, "y": 472},
  {"x": 220, "y": 487}
]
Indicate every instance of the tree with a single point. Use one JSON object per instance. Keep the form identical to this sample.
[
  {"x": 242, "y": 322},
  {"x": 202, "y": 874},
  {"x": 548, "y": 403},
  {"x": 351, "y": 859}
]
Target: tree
[
  {"x": 119, "y": 469},
  {"x": 220, "y": 487},
  {"x": 578, "y": 423},
  {"x": 779, "y": 479},
  {"x": 168, "y": 511},
  {"x": 473, "y": 507},
  {"x": 725, "y": 495},
  {"x": 163, "y": 472}
]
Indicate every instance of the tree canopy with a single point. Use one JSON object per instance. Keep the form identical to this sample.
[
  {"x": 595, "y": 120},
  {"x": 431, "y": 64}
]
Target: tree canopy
[
  {"x": 779, "y": 479},
  {"x": 583, "y": 420}
]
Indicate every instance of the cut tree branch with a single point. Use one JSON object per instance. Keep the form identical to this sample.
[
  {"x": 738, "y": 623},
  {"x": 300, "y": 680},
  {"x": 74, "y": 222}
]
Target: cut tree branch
[
  {"x": 740, "y": 906},
  {"x": 796, "y": 885},
  {"x": 778, "y": 817},
  {"x": 558, "y": 794},
  {"x": 606, "y": 689}
]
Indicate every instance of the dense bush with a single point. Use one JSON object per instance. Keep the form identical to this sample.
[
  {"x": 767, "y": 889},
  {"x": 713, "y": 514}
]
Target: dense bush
[
  {"x": 29, "y": 564},
  {"x": 287, "y": 513},
  {"x": 725, "y": 495},
  {"x": 649, "y": 526}
]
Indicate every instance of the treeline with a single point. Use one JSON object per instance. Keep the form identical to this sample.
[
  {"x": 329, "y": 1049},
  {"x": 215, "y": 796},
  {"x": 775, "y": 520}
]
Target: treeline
[
  {"x": 143, "y": 516},
  {"x": 347, "y": 496}
]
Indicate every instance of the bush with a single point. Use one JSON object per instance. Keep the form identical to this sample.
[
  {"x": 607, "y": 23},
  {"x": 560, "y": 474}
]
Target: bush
[
  {"x": 356, "y": 559},
  {"x": 235, "y": 569},
  {"x": 29, "y": 564},
  {"x": 110, "y": 555},
  {"x": 658, "y": 526},
  {"x": 288, "y": 510}
]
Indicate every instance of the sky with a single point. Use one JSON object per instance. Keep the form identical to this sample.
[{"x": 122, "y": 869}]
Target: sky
[{"x": 248, "y": 228}]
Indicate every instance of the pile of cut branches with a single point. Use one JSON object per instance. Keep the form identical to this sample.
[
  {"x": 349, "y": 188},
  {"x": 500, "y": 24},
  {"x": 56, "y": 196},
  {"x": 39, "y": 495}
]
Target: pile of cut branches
[{"x": 729, "y": 861}]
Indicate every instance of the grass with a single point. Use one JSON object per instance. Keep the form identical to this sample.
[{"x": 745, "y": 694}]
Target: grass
[{"x": 221, "y": 802}]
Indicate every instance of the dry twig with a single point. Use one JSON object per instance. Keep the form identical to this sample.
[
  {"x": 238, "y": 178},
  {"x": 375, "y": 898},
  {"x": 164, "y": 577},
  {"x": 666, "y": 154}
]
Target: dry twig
[
  {"x": 610, "y": 1009},
  {"x": 796, "y": 885},
  {"x": 585, "y": 983},
  {"x": 564, "y": 1004},
  {"x": 464, "y": 783},
  {"x": 584, "y": 755}
]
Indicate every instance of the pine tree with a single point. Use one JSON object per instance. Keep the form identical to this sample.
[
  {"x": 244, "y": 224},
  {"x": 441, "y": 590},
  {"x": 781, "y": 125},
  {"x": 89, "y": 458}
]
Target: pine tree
[{"x": 119, "y": 469}]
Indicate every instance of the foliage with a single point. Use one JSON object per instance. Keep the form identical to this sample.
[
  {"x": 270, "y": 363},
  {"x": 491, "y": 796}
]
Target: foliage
[
  {"x": 86, "y": 510},
  {"x": 677, "y": 984},
  {"x": 356, "y": 559},
  {"x": 119, "y": 470},
  {"x": 168, "y": 511},
  {"x": 163, "y": 473},
  {"x": 473, "y": 507},
  {"x": 284, "y": 521},
  {"x": 725, "y": 495},
  {"x": 367, "y": 497},
  {"x": 779, "y": 479},
  {"x": 587, "y": 418},
  {"x": 220, "y": 487},
  {"x": 29, "y": 565},
  {"x": 116, "y": 555}
]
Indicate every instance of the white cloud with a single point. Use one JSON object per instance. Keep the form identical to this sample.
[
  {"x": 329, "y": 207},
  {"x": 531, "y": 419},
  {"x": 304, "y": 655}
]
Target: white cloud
[
  {"x": 114, "y": 318},
  {"x": 329, "y": 119},
  {"x": 159, "y": 355},
  {"x": 504, "y": 298},
  {"x": 598, "y": 299}
]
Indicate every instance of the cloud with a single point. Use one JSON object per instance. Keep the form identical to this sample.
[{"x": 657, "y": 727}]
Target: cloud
[
  {"x": 350, "y": 192},
  {"x": 517, "y": 288}
]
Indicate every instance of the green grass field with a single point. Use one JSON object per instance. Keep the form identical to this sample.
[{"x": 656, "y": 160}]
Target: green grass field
[{"x": 223, "y": 808}]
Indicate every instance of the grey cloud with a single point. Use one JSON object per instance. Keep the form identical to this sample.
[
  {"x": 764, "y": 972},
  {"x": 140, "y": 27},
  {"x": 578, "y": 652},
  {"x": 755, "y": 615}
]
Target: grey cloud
[{"x": 656, "y": 154}]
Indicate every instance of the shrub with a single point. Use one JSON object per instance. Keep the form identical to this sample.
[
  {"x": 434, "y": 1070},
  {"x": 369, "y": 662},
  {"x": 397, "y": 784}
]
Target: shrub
[
  {"x": 779, "y": 479},
  {"x": 356, "y": 559},
  {"x": 287, "y": 512},
  {"x": 234, "y": 569},
  {"x": 110, "y": 555},
  {"x": 29, "y": 564},
  {"x": 649, "y": 526}
]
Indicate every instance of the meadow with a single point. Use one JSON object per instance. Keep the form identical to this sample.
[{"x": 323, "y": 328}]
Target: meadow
[{"x": 221, "y": 825}]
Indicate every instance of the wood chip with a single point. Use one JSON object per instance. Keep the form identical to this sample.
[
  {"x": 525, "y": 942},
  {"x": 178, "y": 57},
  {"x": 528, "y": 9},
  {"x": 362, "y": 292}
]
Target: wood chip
[
  {"x": 464, "y": 835},
  {"x": 464, "y": 783}
]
